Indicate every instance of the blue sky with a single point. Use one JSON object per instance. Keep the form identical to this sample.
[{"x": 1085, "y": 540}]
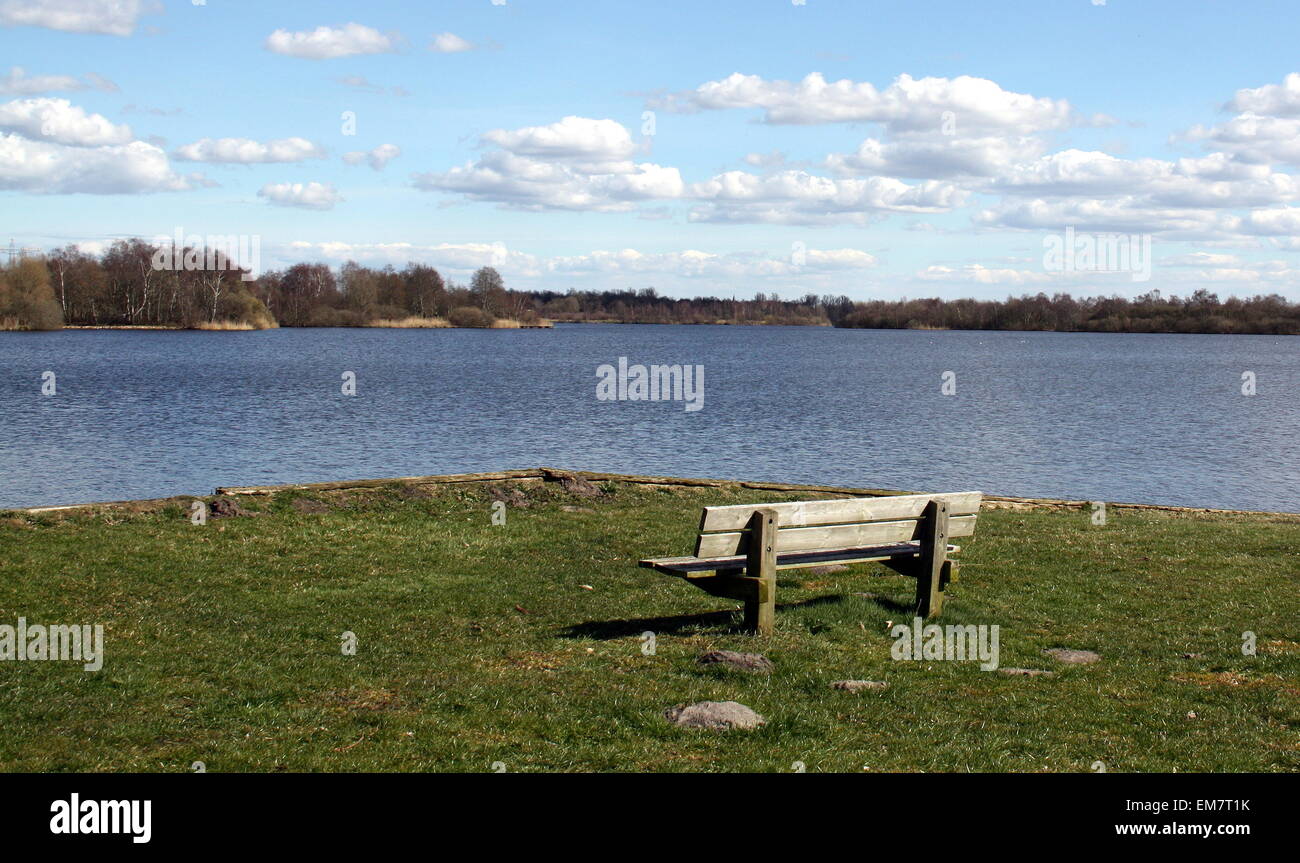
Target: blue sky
[{"x": 959, "y": 139}]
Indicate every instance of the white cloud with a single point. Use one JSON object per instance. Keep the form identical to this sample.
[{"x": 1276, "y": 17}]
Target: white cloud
[
  {"x": 1201, "y": 259},
  {"x": 1126, "y": 215},
  {"x": 908, "y": 104},
  {"x": 111, "y": 17},
  {"x": 1278, "y": 221},
  {"x": 243, "y": 151},
  {"x": 1254, "y": 138},
  {"x": 577, "y": 163},
  {"x": 378, "y": 158},
  {"x": 593, "y": 144},
  {"x": 450, "y": 43},
  {"x": 1213, "y": 182},
  {"x": 797, "y": 197},
  {"x": 1277, "y": 100},
  {"x": 18, "y": 83},
  {"x": 936, "y": 156},
  {"x": 308, "y": 196},
  {"x": 459, "y": 257},
  {"x": 326, "y": 43},
  {"x": 927, "y": 162},
  {"x": 60, "y": 122},
  {"x": 982, "y": 275},
  {"x": 773, "y": 159},
  {"x": 1079, "y": 172},
  {"x": 693, "y": 263},
  {"x": 50, "y": 168},
  {"x": 519, "y": 181},
  {"x": 360, "y": 82},
  {"x": 580, "y": 163},
  {"x": 1182, "y": 272}
]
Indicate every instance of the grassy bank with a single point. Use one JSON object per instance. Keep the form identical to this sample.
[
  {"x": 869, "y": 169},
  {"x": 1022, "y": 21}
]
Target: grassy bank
[{"x": 479, "y": 643}]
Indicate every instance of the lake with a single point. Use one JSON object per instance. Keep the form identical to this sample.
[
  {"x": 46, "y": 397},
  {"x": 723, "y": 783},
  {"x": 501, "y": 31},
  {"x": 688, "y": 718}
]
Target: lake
[{"x": 1135, "y": 418}]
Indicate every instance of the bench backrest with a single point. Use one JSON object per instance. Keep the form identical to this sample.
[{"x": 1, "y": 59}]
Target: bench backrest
[{"x": 831, "y": 524}]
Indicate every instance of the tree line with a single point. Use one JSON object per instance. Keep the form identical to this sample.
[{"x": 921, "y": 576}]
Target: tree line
[
  {"x": 1202, "y": 312},
  {"x": 126, "y": 286},
  {"x": 137, "y": 283}
]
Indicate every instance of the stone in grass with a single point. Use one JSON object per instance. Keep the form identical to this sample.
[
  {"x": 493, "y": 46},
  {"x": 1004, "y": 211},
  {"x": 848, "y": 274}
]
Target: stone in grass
[
  {"x": 224, "y": 507},
  {"x": 514, "y": 496},
  {"x": 1026, "y": 672},
  {"x": 576, "y": 485},
  {"x": 742, "y": 661},
  {"x": 858, "y": 685},
  {"x": 577, "y": 509},
  {"x": 1073, "y": 657},
  {"x": 713, "y": 714}
]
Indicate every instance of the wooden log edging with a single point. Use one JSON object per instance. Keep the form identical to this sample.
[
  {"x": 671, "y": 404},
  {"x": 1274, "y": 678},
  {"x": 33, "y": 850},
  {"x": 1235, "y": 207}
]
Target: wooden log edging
[
  {"x": 341, "y": 485},
  {"x": 548, "y": 474}
]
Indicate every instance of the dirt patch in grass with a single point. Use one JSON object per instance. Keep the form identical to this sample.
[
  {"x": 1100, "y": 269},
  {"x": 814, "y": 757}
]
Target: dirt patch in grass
[
  {"x": 413, "y": 492},
  {"x": 360, "y": 698},
  {"x": 528, "y": 660},
  {"x": 1238, "y": 679}
]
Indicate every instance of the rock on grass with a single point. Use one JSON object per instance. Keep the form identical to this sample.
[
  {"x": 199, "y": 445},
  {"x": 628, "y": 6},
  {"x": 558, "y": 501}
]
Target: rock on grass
[
  {"x": 579, "y": 487},
  {"x": 713, "y": 714},
  {"x": 512, "y": 496},
  {"x": 224, "y": 507},
  {"x": 731, "y": 659}
]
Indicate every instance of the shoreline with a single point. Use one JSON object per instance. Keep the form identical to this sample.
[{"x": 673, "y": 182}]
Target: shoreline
[
  {"x": 541, "y": 326},
  {"x": 547, "y": 474},
  {"x": 553, "y": 324}
]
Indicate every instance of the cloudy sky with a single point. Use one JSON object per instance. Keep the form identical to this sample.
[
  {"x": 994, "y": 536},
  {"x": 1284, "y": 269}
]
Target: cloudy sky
[{"x": 877, "y": 149}]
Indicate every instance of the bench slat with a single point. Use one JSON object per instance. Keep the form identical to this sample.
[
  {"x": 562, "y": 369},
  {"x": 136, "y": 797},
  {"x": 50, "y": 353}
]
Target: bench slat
[
  {"x": 790, "y": 560},
  {"x": 814, "y": 513},
  {"x": 830, "y": 538}
]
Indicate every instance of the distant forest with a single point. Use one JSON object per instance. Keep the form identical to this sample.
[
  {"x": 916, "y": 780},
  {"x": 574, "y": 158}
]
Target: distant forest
[
  {"x": 125, "y": 286},
  {"x": 1202, "y": 312}
]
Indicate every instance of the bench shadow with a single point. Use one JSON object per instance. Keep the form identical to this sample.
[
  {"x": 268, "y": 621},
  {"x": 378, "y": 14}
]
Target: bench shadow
[
  {"x": 729, "y": 621},
  {"x": 891, "y": 605}
]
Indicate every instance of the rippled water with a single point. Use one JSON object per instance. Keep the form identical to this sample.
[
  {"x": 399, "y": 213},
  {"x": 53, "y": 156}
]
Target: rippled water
[{"x": 1147, "y": 418}]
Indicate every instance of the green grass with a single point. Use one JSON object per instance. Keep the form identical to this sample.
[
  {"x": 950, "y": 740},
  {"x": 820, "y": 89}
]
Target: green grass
[{"x": 223, "y": 642}]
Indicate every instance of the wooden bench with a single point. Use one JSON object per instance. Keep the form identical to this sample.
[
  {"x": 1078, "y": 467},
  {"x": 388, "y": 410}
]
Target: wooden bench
[{"x": 740, "y": 548}]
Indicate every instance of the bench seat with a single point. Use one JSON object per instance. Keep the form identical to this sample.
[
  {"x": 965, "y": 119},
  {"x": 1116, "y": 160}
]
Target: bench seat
[{"x": 684, "y": 566}]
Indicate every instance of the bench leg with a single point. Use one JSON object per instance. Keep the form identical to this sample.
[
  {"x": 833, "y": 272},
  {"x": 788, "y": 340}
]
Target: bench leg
[
  {"x": 930, "y": 577},
  {"x": 751, "y": 623},
  {"x": 760, "y": 609}
]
